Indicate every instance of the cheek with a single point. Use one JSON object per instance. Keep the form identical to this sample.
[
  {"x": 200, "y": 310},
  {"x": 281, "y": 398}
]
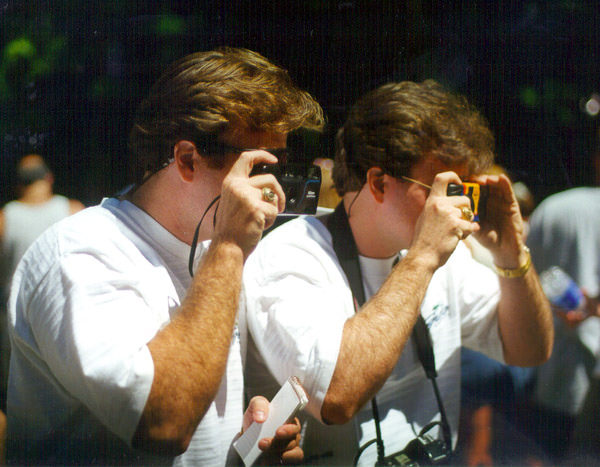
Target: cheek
[
  {"x": 403, "y": 212},
  {"x": 414, "y": 205}
]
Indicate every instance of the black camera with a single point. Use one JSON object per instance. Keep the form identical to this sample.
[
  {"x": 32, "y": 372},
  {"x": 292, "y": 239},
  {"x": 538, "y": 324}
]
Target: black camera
[
  {"x": 423, "y": 450},
  {"x": 300, "y": 182},
  {"x": 478, "y": 194}
]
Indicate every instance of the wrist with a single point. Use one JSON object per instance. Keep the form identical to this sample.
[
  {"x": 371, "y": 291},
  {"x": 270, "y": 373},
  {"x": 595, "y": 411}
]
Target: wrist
[
  {"x": 421, "y": 261},
  {"x": 226, "y": 250},
  {"x": 232, "y": 243},
  {"x": 524, "y": 264}
]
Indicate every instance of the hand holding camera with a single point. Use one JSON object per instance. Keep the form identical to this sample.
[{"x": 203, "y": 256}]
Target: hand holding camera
[
  {"x": 444, "y": 220},
  {"x": 502, "y": 228},
  {"x": 300, "y": 183},
  {"x": 240, "y": 218},
  {"x": 477, "y": 194}
]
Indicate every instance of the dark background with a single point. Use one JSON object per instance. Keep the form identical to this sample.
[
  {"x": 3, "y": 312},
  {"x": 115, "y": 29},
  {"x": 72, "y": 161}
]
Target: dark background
[{"x": 72, "y": 72}]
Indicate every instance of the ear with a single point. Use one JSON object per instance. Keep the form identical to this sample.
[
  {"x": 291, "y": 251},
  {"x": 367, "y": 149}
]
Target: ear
[
  {"x": 183, "y": 152},
  {"x": 375, "y": 182}
]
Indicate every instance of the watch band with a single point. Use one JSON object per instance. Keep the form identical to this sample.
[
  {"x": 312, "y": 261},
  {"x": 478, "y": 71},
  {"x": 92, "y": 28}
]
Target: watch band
[{"x": 517, "y": 272}]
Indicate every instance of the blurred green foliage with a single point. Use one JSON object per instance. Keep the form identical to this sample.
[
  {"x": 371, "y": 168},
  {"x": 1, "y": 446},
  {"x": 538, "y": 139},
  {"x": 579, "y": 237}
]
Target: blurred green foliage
[{"x": 170, "y": 25}]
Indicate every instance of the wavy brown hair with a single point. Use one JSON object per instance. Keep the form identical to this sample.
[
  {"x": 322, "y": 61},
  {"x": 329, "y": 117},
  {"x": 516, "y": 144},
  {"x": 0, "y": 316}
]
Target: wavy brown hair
[
  {"x": 398, "y": 124},
  {"x": 203, "y": 94}
]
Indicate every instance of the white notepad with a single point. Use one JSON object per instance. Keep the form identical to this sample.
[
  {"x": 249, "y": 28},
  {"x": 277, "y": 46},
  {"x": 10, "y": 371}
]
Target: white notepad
[{"x": 290, "y": 399}]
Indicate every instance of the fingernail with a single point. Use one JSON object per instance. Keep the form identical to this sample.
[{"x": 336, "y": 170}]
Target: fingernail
[{"x": 259, "y": 416}]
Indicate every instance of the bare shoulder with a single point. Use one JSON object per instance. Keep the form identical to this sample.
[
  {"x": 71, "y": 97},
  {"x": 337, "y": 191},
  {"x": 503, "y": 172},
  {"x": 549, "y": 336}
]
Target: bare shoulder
[{"x": 75, "y": 206}]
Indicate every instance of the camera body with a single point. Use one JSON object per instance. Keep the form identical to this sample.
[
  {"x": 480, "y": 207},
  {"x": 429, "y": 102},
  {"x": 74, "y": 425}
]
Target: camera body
[
  {"x": 423, "y": 450},
  {"x": 478, "y": 194},
  {"x": 300, "y": 183}
]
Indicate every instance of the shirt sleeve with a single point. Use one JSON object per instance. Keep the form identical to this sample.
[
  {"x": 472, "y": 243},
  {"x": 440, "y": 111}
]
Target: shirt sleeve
[
  {"x": 91, "y": 316},
  {"x": 297, "y": 302}
]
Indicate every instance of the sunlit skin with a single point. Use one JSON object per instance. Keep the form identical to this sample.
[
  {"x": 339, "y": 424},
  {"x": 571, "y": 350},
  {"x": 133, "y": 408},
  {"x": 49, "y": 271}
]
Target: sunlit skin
[
  {"x": 198, "y": 182},
  {"x": 407, "y": 199},
  {"x": 404, "y": 203}
]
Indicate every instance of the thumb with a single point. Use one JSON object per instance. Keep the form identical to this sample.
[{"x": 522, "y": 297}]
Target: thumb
[{"x": 257, "y": 411}]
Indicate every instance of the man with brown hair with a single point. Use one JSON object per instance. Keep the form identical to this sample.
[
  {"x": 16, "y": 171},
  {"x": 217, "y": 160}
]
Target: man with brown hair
[
  {"x": 119, "y": 355},
  {"x": 335, "y": 301}
]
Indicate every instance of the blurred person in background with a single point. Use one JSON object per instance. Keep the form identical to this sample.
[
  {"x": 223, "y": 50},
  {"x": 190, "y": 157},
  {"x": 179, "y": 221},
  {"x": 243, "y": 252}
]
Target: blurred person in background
[
  {"x": 565, "y": 232},
  {"x": 36, "y": 208},
  {"x": 586, "y": 437},
  {"x": 328, "y": 197}
]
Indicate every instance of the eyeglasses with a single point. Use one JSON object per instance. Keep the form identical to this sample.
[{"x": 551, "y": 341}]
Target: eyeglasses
[
  {"x": 412, "y": 180},
  {"x": 217, "y": 147}
]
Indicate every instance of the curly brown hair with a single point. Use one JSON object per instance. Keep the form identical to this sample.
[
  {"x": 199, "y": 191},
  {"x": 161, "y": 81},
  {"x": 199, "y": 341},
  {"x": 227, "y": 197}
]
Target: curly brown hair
[
  {"x": 398, "y": 124},
  {"x": 202, "y": 95}
]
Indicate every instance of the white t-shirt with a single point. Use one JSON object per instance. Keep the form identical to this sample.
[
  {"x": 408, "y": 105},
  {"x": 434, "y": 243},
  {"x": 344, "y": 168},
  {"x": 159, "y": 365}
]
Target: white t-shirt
[
  {"x": 86, "y": 299},
  {"x": 565, "y": 232},
  {"x": 297, "y": 301}
]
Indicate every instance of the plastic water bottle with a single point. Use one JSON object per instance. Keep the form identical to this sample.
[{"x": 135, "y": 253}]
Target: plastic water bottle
[{"x": 561, "y": 289}]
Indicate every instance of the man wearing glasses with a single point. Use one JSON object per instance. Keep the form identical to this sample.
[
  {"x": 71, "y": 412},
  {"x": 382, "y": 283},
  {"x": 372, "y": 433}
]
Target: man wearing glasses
[
  {"x": 397, "y": 234},
  {"x": 120, "y": 356}
]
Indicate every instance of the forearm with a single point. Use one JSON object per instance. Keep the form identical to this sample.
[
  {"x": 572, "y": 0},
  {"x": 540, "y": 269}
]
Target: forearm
[
  {"x": 525, "y": 320},
  {"x": 524, "y": 315},
  {"x": 374, "y": 339},
  {"x": 190, "y": 354}
]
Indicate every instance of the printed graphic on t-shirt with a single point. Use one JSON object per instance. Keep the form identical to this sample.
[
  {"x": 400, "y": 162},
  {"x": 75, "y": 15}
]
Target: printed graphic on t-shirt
[{"x": 438, "y": 313}]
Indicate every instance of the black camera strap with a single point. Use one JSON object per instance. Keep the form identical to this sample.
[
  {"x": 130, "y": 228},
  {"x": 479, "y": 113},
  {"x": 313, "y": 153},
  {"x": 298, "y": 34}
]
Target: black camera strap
[
  {"x": 347, "y": 254},
  {"x": 424, "y": 345}
]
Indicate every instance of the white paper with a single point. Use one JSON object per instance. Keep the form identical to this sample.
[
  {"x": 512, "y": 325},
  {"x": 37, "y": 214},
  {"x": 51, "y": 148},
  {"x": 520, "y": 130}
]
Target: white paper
[{"x": 289, "y": 399}]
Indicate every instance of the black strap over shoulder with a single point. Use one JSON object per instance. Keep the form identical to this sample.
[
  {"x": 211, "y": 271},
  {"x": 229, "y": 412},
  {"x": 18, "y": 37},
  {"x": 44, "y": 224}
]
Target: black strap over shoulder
[
  {"x": 424, "y": 347},
  {"x": 346, "y": 251},
  {"x": 347, "y": 254}
]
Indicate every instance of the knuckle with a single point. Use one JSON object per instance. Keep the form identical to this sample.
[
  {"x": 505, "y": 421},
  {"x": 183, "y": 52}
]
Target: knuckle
[
  {"x": 230, "y": 185},
  {"x": 272, "y": 179},
  {"x": 246, "y": 156},
  {"x": 438, "y": 205}
]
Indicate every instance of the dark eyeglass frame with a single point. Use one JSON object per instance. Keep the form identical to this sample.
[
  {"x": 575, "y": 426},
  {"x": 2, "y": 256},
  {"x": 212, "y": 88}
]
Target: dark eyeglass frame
[
  {"x": 214, "y": 148},
  {"x": 222, "y": 148}
]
